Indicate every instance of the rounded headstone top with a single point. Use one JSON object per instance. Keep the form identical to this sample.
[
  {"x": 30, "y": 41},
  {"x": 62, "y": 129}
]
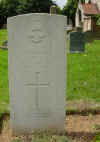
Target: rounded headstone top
[
  {"x": 53, "y": 9},
  {"x": 36, "y": 15}
]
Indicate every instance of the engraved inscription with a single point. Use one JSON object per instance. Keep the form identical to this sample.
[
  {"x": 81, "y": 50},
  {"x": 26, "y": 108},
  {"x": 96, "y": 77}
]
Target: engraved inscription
[
  {"x": 40, "y": 115},
  {"x": 37, "y": 36},
  {"x": 37, "y": 85},
  {"x": 38, "y": 40}
]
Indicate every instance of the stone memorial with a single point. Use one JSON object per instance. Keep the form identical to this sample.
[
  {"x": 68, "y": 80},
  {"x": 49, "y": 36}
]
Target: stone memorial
[
  {"x": 53, "y": 9},
  {"x": 37, "y": 72},
  {"x": 77, "y": 42}
]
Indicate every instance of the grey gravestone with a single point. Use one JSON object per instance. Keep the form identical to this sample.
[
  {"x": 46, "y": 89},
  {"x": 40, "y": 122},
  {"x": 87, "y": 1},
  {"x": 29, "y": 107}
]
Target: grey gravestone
[
  {"x": 37, "y": 72},
  {"x": 77, "y": 42}
]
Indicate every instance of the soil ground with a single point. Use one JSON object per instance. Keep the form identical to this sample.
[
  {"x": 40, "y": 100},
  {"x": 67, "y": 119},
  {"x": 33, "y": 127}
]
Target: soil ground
[
  {"x": 79, "y": 128},
  {"x": 82, "y": 128}
]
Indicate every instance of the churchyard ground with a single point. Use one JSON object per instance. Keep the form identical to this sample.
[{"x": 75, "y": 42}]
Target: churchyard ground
[{"x": 83, "y": 83}]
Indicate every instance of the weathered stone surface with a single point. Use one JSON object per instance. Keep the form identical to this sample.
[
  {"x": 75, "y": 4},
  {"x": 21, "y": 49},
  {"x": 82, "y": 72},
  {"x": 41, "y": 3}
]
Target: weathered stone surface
[
  {"x": 77, "y": 42},
  {"x": 37, "y": 72}
]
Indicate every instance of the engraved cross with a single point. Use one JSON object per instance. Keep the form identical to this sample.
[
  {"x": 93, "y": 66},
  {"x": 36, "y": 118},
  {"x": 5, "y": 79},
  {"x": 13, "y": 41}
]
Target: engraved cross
[{"x": 37, "y": 85}]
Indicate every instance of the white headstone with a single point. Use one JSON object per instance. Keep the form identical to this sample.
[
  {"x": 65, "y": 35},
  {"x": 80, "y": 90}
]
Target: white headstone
[{"x": 37, "y": 72}]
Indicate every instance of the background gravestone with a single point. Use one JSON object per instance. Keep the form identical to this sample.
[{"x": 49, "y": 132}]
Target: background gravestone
[
  {"x": 53, "y": 9},
  {"x": 37, "y": 72},
  {"x": 77, "y": 42}
]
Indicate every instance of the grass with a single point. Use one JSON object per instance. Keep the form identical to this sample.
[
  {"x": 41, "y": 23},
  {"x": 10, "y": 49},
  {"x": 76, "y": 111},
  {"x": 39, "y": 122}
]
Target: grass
[
  {"x": 3, "y": 36},
  {"x": 84, "y": 74},
  {"x": 4, "y": 95}
]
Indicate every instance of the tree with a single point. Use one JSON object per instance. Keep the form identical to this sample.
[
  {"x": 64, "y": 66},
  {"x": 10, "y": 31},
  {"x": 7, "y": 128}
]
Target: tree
[
  {"x": 70, "y": 9},
  {"x": 3, "y": 13},
  {"x": 38, "y": 6},
  {"x": 10, "y": 8},
  {"x": 97, "y": 20},
  {"x": 13, "y": 7},
  {"x": 59, "y": 11}
]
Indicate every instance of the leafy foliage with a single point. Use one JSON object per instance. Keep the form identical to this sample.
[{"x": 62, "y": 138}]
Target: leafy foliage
[
  {"x": 70, "y": 9},
  {"x": 2, "y": 12},
  {"x": 38, "y": 5},
  {"x": 98, "y": 20},
  {"x": 10, "y": 8}
]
